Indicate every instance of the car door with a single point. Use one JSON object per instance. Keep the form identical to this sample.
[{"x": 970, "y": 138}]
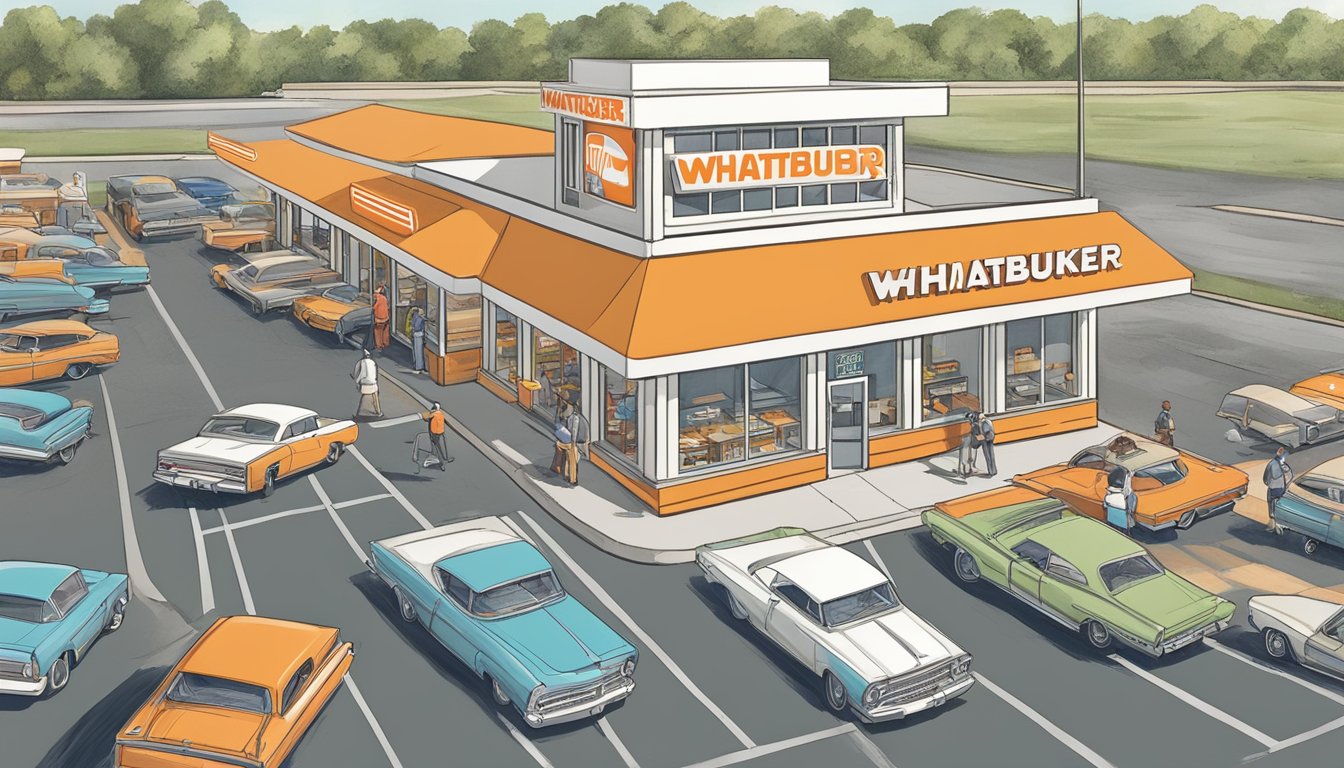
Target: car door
[
  {"x": 54, "y": 354},
  {"x": 788, "y": 619},
  {"x": 16, "y": 360},
  {"x": 81, "y": 617},
  {"x": 451, "y": 617},
  {"x": 1025, "y": 571},
  {"x": 303, "y": 440},
  {"x": 1306, "y": 509},
  {"x": 1324, "y": 650},
  {"x": 1063, "y": 588},
  {"x": 1270, "y": 422}
]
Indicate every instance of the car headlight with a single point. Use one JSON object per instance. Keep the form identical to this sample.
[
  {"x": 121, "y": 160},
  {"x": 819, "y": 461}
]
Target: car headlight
[
  {"x": 534, "y": 696},
  {"x": 873, "y": 694},
  {"x": 962, "y": 666},
  {"x": 628, "y": 668},
  {"x": 29, "y": 669}
]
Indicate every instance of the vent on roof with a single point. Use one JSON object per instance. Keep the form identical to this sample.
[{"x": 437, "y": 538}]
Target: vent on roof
[
  {"x": 220, "y": 144},
  {"x": 389, "y": 214}
]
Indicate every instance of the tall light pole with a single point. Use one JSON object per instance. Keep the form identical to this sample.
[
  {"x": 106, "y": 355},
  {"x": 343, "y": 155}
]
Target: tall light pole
[{"x": 1082, "y": 130}]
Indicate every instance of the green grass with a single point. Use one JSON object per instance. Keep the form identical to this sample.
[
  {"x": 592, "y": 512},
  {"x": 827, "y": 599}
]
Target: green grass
[
  {"x": 519, "y": 109},
  {"x": 1266, "y": 293},
  {"x": 105, "y": 141},
  {"x": 1286, "y": 134}
]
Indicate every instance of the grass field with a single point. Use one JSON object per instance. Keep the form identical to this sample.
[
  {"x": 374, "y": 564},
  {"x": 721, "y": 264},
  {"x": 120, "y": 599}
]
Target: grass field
[
  {"x": 105, "y": 141},
  {"x": 1272, "y": 295}
]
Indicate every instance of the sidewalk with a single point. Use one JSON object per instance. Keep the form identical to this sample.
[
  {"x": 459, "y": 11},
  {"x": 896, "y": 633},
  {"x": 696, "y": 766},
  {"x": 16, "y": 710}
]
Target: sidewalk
[{"x": 601, "y": 511}]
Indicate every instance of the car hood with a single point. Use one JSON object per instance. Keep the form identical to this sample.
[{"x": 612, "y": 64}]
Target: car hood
[
  {"x": 220, "y": 449},
  {"x": 327, "y": 307},
  {"x": 561, "y": 637},
  {"x": 1046, "y": 479},
  {"x": 1169, "y": 601},
  {"x": 223, "y": 730},
  {"x": 891, "y": 645},
  {"x": 21, "y": 635},
  {"x": 1303, "y": 614}
]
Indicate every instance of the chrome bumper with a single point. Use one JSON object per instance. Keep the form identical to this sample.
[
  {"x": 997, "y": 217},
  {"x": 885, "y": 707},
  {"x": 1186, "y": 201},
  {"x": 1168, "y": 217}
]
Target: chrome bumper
[
  {"x": 23, "y": 687},
  {"x": 172, "y": 226},
  {"x": 587, "y": 709},
  {"x": 1195, "y": 636},
  {"x": 97, "y": 307},
  {"x": 200, "y": 482},
  {"x": 937, "y": 699}
]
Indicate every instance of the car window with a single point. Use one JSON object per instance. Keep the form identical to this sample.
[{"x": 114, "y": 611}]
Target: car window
[
  {"x": 517, "y": 596},
  {"x": 280, "y": 271},
  {"x": 1234, "y": 405},
  {"x": 1119, "y": 574},
  {"x": 191, "y": 688},
  {"x": 241, "y": 427},
  {"x": 248, "y": 274},
  {"x": 28, "y": 418},
  {"x": 1058, "y": 566},
  {"x": 1165, "y": 473},
  {"x": 154, "y": 188},
  {"x": 100, "y": 257},
  {"x": 1266, "y": 415},
  {"x": 860, "y": 605},
  {"x": 69, "y": 593},
  {"x": 295, "y": 685},
  {"x": 308, "y": 425},
  {"x": 58, "y": 341},
  {"x": 1334, "y": 627},
  {"x": 1036, "y": 553},
  {"x": 1089, "y": 460},
  {"x": 798, "y": 598},
  {"x": 346, "y": 293},
  {"x": 456, "y": 589},
  {"x": 21, "y": 609},
  {"x": 57, "y": 252},
  {"x": 15, "y": 343}
]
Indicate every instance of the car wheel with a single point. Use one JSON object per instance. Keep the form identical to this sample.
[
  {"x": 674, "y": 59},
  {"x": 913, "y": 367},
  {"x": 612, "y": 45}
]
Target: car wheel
[
  {"x": 77, "y": 371},
  {"x": 404, "y": 605},
  {"x": 1276, "y": 643},
  {"x": 734, "y": 607},
  {"x": 836, "y": 696},
  {"x": 334, "y": 453},
  {"x": 1097, "y": 634},
  {"x": 1309, "y": 546},
  {"x": 965, "y": 566},
  {"x": 66, "y": 454},
  {"x": 498, "y": 694},
  {"x": 1187, "y": 520},
  {"x": 268, "y": 485},
  {"x": 118, "y": 616},
  {"x": 59, "y": 675},
  {"x": 257, "y": 310}
]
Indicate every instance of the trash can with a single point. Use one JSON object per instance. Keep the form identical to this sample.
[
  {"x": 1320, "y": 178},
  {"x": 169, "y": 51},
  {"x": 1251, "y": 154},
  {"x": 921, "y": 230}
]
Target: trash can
[{"x": 527, "y": 390}]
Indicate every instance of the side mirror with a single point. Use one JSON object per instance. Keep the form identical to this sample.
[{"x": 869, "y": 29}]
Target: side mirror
[{"x": 774, "y": 600}]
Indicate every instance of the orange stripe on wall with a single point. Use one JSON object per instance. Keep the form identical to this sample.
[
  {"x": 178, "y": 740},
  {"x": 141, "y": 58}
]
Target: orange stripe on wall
[{"x": 499, "y": 390}]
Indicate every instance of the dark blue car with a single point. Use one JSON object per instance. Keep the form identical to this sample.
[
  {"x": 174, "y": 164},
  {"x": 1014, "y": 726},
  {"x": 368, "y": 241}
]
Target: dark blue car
[{"x": 208, "y": 191}]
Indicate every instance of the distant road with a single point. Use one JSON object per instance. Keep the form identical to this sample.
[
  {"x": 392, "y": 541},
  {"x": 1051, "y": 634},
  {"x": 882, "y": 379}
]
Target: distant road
[{"x": 246, "y": 119}]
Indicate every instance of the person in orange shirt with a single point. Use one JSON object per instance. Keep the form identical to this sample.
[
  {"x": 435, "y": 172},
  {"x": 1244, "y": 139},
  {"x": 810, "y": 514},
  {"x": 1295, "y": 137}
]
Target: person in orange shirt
[
  {"x": 437, "y": 422},
  {"x": 382, "y": 319}
]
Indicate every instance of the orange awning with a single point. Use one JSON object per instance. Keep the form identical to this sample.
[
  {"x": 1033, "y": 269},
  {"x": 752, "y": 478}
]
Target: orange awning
[{"x": 402, "y": 136}]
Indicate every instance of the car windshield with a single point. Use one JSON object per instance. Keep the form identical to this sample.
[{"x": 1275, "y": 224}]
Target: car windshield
[
  {"x": 1165, "y": 473},
  {"x": 347, "y": 293},
  {"x": 240, "y": 427},
  {"x": 155, "y": 188},
  {"x": 860, "y": 605},
  {"x": 29, "y": 418},
  {"x": 516, "y": 596},
  {"x": 191, "y": 688},
  {"x": 248, "y": 274},
  {"x": 101, "y": 257},
  {"x": 21, "y": 609},
  {"x": 1120, "y": 574}
]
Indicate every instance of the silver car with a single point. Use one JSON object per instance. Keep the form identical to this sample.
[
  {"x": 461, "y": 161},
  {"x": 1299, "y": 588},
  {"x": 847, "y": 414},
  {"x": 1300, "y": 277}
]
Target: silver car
[
  {"x": 1281, "y": 416},
  {"x": 274, "y": 280}
]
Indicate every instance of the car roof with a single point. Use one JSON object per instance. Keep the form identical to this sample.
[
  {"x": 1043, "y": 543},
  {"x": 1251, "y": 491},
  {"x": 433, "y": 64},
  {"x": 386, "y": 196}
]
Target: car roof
[
  {"x": 43, "y": 401},
  {"x": 829, "y": 573},
  {"x": 1274, "y": 397},
  {"x": 491, "y": 566},
  {"x": 1146, "y": 454},
  {"x": 255, "y": 649},
  {"x": 149, "y": 179},
  {"x": 44, "y": 327},
  {"x": 1332, "y": 470},
  {"x": 1085, "y": 542},
  {"x": 35, "y": 581},
  {"x": 271, "y": 261},
  {"x": 283, "y": 414}
]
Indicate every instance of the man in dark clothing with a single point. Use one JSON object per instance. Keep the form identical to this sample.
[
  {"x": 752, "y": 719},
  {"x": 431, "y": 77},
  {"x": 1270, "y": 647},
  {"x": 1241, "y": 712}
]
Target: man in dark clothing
[
  {"x": 982, "y": 433},
  {"x": 1165, "y": 426},
  {"x": 1278, "y": 475}
]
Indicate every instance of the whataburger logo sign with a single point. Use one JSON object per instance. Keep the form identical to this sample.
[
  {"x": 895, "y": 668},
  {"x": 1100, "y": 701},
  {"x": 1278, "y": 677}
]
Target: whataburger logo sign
[
  {"x": 996, "y": 272},
  {"x": 602, "y": 109},
  {"x": 701, "y": 171}
]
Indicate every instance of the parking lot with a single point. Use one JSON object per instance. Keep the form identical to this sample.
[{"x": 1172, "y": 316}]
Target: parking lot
[{"x": 710, "y": 691}]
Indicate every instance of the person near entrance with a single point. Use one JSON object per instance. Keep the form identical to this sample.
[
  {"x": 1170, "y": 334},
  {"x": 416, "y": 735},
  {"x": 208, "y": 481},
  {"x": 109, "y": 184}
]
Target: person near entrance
[
  {"x": 366, "y": 380},
  {"x": 982, "y": 431},
  {"x": 436, "y": 422},
  {"x": 564, "y": 440},
  {"x": 578, "y": 432},
  {"x": 382, "y": 320},
  {"x": 966, "y": 452},
  {"x": 417, "y": 324},
  {"x": 1165, "y": 425},
  {"x": 1278, "y": 476}
]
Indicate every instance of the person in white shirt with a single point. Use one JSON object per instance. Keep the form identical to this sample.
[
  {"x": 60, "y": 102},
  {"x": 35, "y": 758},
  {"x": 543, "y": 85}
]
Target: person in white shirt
[{"x": 366, "y": 379}]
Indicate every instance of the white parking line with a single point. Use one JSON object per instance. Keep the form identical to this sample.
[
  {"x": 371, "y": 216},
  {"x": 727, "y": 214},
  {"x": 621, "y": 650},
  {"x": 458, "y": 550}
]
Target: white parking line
[
  {"x": 391, "y": 489},
  {"x": 135, "y": 561},
  {"x": 524, "y": 742},
  {"x": 657, "y": 650},
  {"x": 408, "y": 418},
  {"x": 1196, "y": 702},
  {"x": 510, "y": 453},
  {"x": 361, "y": 500},
  {"x": 1238, "y": 655},
  {"x": 202, "y": 564},
  {"x": 248, "y": 605},
  {"x": 299, "y": 511},
  {"x": 373, "y": 722},
  {"x": 182, "y": 342},
  {"x": 871, "y": 750},
  {"x": 335, "y": 518},
  {"x": 752, "y": 753},
  {"x": 616, "y": 743},
  {"x": 1300, "y": 738}
]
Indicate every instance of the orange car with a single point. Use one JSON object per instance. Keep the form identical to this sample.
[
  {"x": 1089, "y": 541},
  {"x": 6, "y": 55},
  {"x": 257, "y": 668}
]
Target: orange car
[
  {"x": 52, "y": 269},
  {"x": 1326, "y": 389},
  {"x": 50, "y": 349},
  {"x": 242, "y": 227},
  {"x": 244, "y": 695},
  {"x": 1174, "y": 488}
]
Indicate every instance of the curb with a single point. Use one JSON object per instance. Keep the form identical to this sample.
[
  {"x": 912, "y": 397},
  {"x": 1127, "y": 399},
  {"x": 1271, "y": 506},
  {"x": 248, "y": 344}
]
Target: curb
[{"x": 1280, "y": 311}]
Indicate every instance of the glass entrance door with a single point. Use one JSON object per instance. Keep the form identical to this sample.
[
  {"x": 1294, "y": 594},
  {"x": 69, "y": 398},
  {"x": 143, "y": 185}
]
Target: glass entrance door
[{"x": 847, "y": 426}]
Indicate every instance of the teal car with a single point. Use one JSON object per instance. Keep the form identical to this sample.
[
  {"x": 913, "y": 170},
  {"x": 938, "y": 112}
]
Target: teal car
[
  {"x": 489, "y": 596},
  {"x": 41, "y": 426},
  {"x": 1078, "y": 571},
  {"x": 42, "y": 296},
  {"x": 50, "y": 615},
  {"x": 89, "y": 264}
]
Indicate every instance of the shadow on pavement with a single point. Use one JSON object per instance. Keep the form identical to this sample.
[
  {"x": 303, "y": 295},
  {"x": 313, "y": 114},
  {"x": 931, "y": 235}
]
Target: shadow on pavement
[{"x": 89, "y": 742}]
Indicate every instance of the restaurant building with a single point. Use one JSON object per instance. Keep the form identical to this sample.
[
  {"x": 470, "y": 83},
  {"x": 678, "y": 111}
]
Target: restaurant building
[{"x": 716, "y": 262}]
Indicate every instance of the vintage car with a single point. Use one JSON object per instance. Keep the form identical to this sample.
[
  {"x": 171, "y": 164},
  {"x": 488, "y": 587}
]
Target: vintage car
[
  {"x": 33, "y": 192},
  {"x": 1280, "y": 416},
  {"x": 46, "y": 295},
  {"x": 243, "y": 696},
  {"x": 485, "y": 592},
  {"x": 1326, "y": 388},
  {"x": 1080, "y": 572},
  {"x": 147, "y": 206},
  {"x": 49, "y": 617},
  {"x": 1301, "y": 629},
  {"x": 841, "y": 618},
  {"x": 42, "y": 426},
  {"x": 50, "y": 349},
  {"x": 208, "y": 191},
  {"x": 1174, "y": 488},
  {"x": 242, "y": 227},
  {"x": 52, "y": 269},
  {"x": 339, "y": 310},
  {"x": 251, "y": 447},
  {"x": 274, "y": 280},
  {"x": 88, "y": 263},
  {"x": 17, "y": 216},
  {"x": 1313, "y": 506}
]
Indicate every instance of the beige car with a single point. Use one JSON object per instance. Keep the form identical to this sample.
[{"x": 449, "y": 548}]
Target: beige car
[
  {"x": 274, "y": 280},
  {"x": 1281, "y": 416}
]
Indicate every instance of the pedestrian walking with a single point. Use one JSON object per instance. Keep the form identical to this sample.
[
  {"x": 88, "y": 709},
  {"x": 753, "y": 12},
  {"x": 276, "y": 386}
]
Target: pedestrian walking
[
  {"x": 564, "y": 440},
  {"x": 1278, "y": 475},
  {"x": 418, "y": 339},
  {"x": 578, "y": 433},
  {"x": 436, "y": 422},
  {"x": 983, "y": 429},
  {"x": 366, "y": 379},
  {"x": 1165, "y": 425},
  {"x": 382, "y": 320},
  {"x": 966, "y": 451}
]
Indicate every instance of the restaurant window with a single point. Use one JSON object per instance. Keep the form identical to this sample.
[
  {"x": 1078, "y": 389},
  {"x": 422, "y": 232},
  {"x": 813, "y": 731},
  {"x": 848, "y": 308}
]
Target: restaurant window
[
  {"x": 690, "y": 205},
  {"x": 432, "y": 320},
  {"x": 814, "y": 194},
  {"x": 725, "y": 140},
  {"x": 951, "y": 375},
  {"x": 382, "y": 267},
  {"x": 877, "y": 363},
  {"x": 814, "y": 137},
  {"x": 712, "y": 410},
  {"x": 727, "y": 202},
  {"x": 1040, "y": 361},
  {"x": 693, "y": 142},
  {"x": 620, "y": 402},
  {"x": 555, "y": 366},
  {"x": 843, "y": 134},
  {"x": 412, "y": 291},
  {"x": 462, "y": 314},
  {"x": 786, "y": 197},
  {"x": 365, "y": 267},
  {"x": 570, "y": 159},
  {"x": 774, "y": 394},
  {"x": 755, "y": 138},
  {"x": 844, "y": 193},
  {"x": 506, "y": 346}
]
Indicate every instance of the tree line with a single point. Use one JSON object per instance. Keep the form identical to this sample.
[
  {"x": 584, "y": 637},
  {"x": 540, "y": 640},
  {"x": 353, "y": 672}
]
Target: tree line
[{"x": 173, "y": 49}]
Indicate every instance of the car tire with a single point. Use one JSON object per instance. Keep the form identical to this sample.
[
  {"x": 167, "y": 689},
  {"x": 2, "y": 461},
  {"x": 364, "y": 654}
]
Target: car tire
[
  {"x": 67, "y": 454},
  {"x": 1309, "y": 546},
  {"x": 965, "y": 566},
  {"x": 334, "y": 453},
  {"x": 1187, "y": 520},
  {"x": 497, "y": 693},
  {"x": 404, "y": 606},
  {"x": 59, "y": 675},
  {"x": 1098, "y": 636},
  {"x": 734, "y": 607},
  {"x": 1276, "y": 644},
  {"x": 268, "y": 484},
  {"x": 117, "y": 618},
  {"x": 837, "y": 699},
  {"x": 77, "y": 371}
]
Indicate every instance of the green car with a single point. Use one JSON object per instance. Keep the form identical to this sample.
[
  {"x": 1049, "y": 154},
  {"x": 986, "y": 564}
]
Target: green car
[{"x": 1078, "y": 571}]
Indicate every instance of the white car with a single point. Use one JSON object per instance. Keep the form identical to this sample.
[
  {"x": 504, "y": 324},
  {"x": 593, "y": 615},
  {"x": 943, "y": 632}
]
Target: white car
[
  {"x": 841, "y": 618},
  {"x": 1302, "y": 629},
  {"x": 251, "y": 447}
]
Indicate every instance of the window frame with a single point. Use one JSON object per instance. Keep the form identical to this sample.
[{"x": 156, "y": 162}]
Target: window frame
[
  {"x": 745, "y": 420},
  {"x": 1060, "y": 568},
  {"x": 810, "y": 608},
  {"x": 296, "y": 686},
  {"x": 79, "y": 595}
]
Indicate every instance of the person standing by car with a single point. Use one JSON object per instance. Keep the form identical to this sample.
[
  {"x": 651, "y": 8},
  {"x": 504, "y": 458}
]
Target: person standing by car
[
  {"x": 983, "y": 429},
  {"x": 417, "y": 339},
  {"x": 1120, "y": 501},
  {"x": 966, "y": 451},
  {"x": 366, "y": 379},
  {"x": 382, "y": 320},
  {"x": 437, "y": 419},
  {"x": 1278, "y": 475},
  {"x": 564, "y": 440},
  {"x": 1165, "y": 425},
  {"x": 578, "y": 432}
]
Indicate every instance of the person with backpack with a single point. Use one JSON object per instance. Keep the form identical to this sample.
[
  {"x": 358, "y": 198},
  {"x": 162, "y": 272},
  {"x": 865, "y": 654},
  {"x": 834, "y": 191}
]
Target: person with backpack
[{"x": 1278, "y": 476}]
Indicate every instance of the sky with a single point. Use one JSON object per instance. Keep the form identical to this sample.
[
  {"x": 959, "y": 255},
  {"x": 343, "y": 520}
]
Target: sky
[{"x": 269, "y": 14}]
